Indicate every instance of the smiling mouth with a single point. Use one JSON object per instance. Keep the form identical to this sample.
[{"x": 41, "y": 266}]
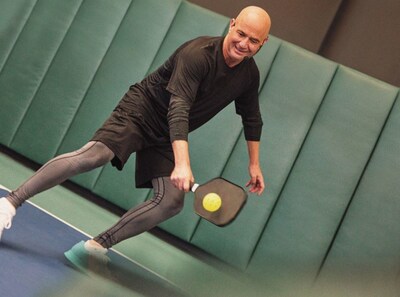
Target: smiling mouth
[{"x": 241, "y": 52}]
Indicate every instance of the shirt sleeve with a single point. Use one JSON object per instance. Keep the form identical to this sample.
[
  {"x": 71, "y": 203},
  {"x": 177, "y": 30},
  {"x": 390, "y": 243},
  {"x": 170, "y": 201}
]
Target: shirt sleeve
[
  {"x": 189, "y": 69},
  {"x": 248, "y": 107}
]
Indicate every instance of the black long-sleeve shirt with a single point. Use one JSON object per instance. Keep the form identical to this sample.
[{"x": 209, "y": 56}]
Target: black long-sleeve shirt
[{"x": 192, "y": 86}]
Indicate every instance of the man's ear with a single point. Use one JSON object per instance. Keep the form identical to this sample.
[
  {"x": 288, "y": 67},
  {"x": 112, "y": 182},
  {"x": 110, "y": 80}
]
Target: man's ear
[{"x": 232, "y": 23}]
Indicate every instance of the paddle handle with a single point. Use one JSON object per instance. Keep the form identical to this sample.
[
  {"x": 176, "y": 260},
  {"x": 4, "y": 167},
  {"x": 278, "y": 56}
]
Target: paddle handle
[{"x": 194, "y": 187}]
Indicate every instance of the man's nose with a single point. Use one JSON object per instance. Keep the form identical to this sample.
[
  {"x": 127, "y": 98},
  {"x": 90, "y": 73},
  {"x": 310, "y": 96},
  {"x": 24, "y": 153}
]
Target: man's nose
[{"x": 244, "y": 42}]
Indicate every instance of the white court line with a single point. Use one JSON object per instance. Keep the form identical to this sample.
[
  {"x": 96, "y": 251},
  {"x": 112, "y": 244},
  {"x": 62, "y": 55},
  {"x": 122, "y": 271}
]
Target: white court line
[{"x": 88, "y": 235}]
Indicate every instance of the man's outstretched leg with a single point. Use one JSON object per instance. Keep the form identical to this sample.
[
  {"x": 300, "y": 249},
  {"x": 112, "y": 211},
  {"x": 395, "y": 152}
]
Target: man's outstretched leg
[
  {"x": 54, "y": 172},
  {"x": 167, "y": 201}
]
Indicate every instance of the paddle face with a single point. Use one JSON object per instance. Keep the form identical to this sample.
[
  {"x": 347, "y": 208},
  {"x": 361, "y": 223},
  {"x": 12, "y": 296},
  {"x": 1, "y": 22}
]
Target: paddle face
[{"x": 233, "y": 198}]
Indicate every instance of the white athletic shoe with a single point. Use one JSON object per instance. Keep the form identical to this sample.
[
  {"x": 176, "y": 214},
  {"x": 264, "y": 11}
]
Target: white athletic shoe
[{"x": 7, "y": 212}]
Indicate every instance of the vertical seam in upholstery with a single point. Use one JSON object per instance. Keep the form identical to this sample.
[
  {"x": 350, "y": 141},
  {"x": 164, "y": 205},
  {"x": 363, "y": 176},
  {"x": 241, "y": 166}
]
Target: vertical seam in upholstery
[
  {"x": 89, "y": 85},
  {"x": 6, "y": 61},
  {"x": 270, "y": 68},
  {"x": 165, "y": 36},
  {"x": 16, "y": 39},
  {"x": 150, "y": 66},
  {"x": 93, "y": 77},
  {"x": 355, "y": 190},
  {"x": 291, "y": 168},
  {"x": 44, "y": 76}
]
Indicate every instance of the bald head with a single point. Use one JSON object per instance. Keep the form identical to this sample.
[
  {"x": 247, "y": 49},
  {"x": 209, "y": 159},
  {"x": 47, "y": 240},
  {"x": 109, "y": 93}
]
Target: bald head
[
  {"x": 247, "y": 34},
  {"x": 257, "y": 18}
]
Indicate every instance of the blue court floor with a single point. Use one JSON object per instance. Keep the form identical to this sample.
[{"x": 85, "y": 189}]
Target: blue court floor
[{"x": 32, "y": 263}]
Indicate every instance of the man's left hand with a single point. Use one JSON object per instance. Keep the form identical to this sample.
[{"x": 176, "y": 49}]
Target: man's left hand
[{"x": 256, "y": 182}]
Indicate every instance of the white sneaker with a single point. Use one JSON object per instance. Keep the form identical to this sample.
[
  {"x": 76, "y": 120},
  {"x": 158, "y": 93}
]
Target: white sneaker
[{"x": 7, "y": 212}]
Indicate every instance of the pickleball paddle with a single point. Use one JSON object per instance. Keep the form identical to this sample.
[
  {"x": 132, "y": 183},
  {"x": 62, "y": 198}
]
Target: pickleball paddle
[{"x": 221, "y": 213}]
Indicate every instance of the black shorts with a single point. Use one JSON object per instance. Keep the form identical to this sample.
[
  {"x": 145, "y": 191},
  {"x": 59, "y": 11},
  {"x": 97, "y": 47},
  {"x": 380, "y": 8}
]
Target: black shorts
[{"x": 124, "y": 134}]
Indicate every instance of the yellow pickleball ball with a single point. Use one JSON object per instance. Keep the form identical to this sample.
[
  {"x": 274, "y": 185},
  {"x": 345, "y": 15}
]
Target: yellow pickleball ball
[{"x": 212, "y": 202}]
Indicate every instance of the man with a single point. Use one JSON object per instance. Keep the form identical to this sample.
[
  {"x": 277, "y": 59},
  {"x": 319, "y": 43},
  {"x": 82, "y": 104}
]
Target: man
[{"x": 154, "y": 118}]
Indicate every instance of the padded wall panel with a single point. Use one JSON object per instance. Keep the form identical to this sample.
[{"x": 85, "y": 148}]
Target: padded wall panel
[
  {"x": 211, "y": 146},
  {"x": 13, "y": 16},
  {"x": 127, "y": 62},
  {"x": 23, "y": 73},
  {"x": 68, "y": 78},
  {"x": 133, "y": 52},
  {"x": 190, "y": 22},
  {"x": 365, "y": 256},
  {"x": 289, "y": 100},
  {"x": 265, "y": 57},
  {"x": 322, "y": 180}
]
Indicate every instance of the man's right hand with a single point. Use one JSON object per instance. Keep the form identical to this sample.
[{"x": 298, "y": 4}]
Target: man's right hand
[{"x": 182, "y": 176}]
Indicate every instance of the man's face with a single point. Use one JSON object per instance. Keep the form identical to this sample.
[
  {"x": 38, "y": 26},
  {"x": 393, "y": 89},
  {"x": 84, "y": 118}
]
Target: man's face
[{"x": 243, "y": 40}]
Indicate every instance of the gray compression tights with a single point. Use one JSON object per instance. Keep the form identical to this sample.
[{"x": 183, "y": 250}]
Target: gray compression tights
[
  {"x": 59, "y": 169},
  {"x": 167, "y": 200}
]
